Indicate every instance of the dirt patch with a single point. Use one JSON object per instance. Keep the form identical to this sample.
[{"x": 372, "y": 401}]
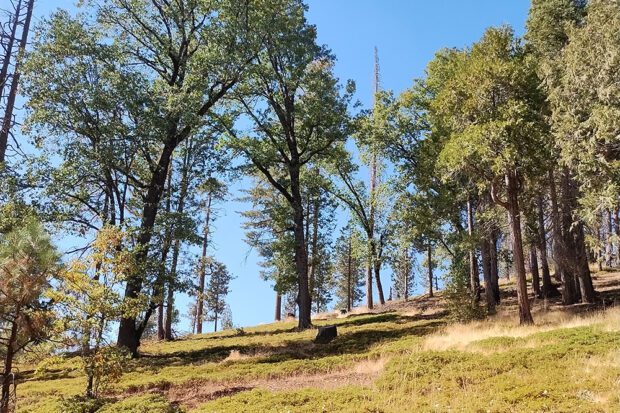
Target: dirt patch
[{"x": 194, "y": 393}]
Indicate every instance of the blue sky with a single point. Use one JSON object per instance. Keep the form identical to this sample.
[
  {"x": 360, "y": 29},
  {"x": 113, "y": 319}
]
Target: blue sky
[{"x": 407, "y": 34}]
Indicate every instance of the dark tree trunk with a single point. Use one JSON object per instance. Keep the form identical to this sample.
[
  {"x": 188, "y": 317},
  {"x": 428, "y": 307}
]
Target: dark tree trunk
[
  {"x": 350, "y": 273},
  {"x": 559, "y": 247},
  {"x": 278, "y": 315},
  {"x": 314, "y": 289},
  {"x": 429, "y": 264},
  {"x": 494, "y": 265},
  {"x": 377, "y": 268},
  {"x": 574, "y": 237},
  {"x": 609, "y": 245},
  {"x": 548, "y": 289},
  {"x": 129, "y": 333},
  {"x": 489, "y": 290},
  {"x": 369, "y": 260},
  {"x": 7, "y": 374},
  {"x": 301, "y": 258},
  {"x": 10, "y": 104},
  {"x": 474, "y": 277},
  {"x": 534, "y": 271},
  {"x": 617, "y": 229},
  {"x": 584, "y": 277},
  {"x": 514, "y": 213}
]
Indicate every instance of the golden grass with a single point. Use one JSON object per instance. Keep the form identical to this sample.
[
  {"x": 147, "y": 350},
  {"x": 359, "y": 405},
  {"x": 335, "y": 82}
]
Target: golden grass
[{"x": 460, "y": 336}]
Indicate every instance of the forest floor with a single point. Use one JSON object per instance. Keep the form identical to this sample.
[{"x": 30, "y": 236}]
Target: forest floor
[{"x": 404, "y": 357}]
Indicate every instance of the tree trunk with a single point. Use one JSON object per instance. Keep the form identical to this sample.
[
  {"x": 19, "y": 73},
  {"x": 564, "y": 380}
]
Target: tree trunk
[
  {"x": 429, "y": 266},
  {"x": 489, "y": 291},
  {"x": 559, "y": 247},
  {"x": 177, "y": 242},
  {"x": 534, "y": 271},
  {"x": 203, "y": 268},
  {"x": 377, "y": 268},
  {"x": 609, "y": 244},
  {"x": 350, "y": 273},
  {"x": 8, "y": 114},
  {"x": 129, "y": 333},
  {"x": 215, "y": 314},
  {"x": 617, "y": 228},
  {"x": 161, "y": 281},
  {"x": 6, "y": 61},
  {"x": 494, "y": 265},
  {"x": 315, "y": 247},
  {"x": 301, "y": 259},
  {"x": 369, "y": 267},
  {"x": 278, "y": 316},
  {"x": 584, "y": 277},
  {"x": 474, "y": 277},
  {"x": 548, "y": 289},
  {"x": 7, "y": 374},
  {"x": 525, "y": 316}
]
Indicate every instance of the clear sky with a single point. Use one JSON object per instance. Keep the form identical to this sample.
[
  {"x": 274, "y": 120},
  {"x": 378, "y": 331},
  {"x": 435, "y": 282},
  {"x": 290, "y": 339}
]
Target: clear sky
[{"x": 407, "y": 34}]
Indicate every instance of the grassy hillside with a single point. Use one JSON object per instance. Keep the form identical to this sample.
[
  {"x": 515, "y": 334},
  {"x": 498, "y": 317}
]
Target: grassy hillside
[{"x": 409, "y": 358}]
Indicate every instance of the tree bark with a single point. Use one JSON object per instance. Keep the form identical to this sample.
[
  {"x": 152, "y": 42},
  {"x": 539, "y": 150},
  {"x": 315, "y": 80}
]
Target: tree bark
[
  {"x": 315, "y": 247},
  {"x": 548, "y": 289},
  {"x": 377, "y": 269},
  {"x": 584, "y": 277},
  {"x": 514, "y": 213},
  {"x": 609, "y": 244},
  {"x": 278, "y": 315},
  {"x": 301, "y": 258},
  {"x": 6, "y": 61},
  {"x": 494, "y": 265},
  {"x": 429, "y": 265},
  {"x": 534, "y": 270},
  {"x": 7, "y": 374},
  {"x": 474, "y": 277},
  {"x": 489, "y": 291},
  {"x": 559, "y": 247},
  {"x": 10, "y": 104},
  {"x": 369, "y": 259}
]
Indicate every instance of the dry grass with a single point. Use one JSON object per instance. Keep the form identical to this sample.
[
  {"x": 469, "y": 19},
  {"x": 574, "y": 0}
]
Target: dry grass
[{"x": 460, "y": 336}]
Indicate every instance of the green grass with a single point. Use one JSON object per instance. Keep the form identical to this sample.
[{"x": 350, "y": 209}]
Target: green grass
[{"x": 556, "y": 369}]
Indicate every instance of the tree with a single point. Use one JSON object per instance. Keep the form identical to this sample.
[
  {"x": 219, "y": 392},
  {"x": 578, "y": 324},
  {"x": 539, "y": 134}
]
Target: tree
[
  {"x": 348, "y": 267},
  {"x": 227, "y": 320},
  {"x": 551, "y": 26},
  {"x": 497, "y": 129},
  {"x": 87, "y": 302},
  {"x": 169, "y": 66},
  {"x": 297, "y": 116},
  {"x": 269, "y": 231},
  {"x": 28, "y": 262},
  {"x": 366, "y": 206},
  {"x": 214, "y": 191},
  {"x": 216, "y": 290}
]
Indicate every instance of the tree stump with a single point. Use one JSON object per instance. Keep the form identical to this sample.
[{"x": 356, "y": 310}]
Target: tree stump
[{"x": 326, "y": 334}]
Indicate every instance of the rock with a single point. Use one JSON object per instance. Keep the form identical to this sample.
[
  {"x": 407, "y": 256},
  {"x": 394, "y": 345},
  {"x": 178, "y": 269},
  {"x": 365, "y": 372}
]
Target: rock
[{"x": 326, "y": 334}]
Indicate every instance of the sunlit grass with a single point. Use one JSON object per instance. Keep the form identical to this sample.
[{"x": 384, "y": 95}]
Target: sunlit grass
[{"x": 411, "y": 362}]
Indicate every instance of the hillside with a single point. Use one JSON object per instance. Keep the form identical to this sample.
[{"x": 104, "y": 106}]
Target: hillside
[{"x": 406, "y": 358}]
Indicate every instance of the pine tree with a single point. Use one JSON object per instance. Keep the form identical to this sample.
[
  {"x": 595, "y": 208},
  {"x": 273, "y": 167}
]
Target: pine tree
[
  {"x": 348, "y": 268},
  {"x": 218, "y": 286}
]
